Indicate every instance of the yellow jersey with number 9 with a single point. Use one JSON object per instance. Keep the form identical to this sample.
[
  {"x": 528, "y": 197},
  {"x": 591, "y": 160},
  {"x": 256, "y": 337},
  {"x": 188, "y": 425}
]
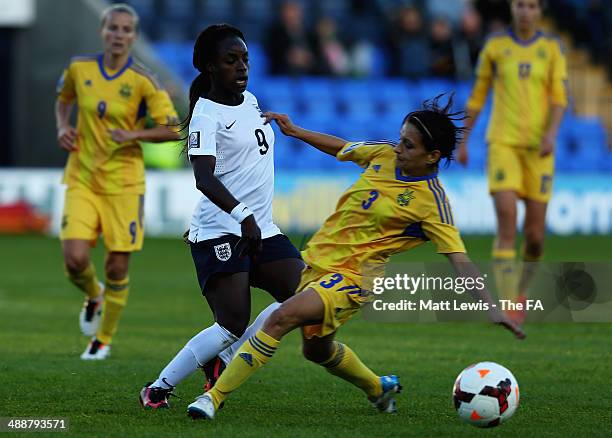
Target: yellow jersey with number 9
[
  {"x": 383, "y": 213},
  {"x": 527, "y": 78},
  {"x": 109, "y": 100}
]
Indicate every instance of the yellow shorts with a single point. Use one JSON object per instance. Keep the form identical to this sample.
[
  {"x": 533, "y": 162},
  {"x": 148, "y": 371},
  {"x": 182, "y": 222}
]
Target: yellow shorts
[
  {"x": 120, "y": 219},
  {"x": 521, "y": 170},
  {"x": 341, "y": 296}
]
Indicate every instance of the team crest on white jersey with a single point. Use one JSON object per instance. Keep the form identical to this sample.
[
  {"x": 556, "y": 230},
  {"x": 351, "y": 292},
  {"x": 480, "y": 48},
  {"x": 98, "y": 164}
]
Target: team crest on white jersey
[
  {"x": 194, "y": 140},
  {"x": 223, "y": 251}
]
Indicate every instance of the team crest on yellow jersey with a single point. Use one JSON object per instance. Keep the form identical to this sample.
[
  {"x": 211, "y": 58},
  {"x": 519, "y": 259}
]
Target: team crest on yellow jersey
[
  {"x": 404, "y": 199},
  {"x": 125, "y": 91},
  {"x": 541, "y": 53}
]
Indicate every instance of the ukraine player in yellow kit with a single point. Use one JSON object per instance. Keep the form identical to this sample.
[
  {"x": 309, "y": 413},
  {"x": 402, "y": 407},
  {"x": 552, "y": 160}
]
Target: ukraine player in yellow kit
[
  {"x": 397, "y": 204},
  {"x": 105, "y": 170},
  {"x": 528, "y": 73}
]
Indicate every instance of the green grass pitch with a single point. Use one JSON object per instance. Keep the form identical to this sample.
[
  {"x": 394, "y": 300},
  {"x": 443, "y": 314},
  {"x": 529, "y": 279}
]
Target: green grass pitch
[{"x": 563, "y": 369}]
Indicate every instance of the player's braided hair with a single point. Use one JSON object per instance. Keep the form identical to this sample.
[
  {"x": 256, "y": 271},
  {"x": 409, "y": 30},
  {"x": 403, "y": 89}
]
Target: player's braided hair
[
  {"x": 435, "y": 123},
  {"x": 205, "y": 50}
]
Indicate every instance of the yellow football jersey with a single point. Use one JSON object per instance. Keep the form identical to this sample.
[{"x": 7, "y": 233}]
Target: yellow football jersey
[
  {"x": 107, "y": 100},
  {"x": 527, "y": 77},
  {"x": 383, "y": 213}
]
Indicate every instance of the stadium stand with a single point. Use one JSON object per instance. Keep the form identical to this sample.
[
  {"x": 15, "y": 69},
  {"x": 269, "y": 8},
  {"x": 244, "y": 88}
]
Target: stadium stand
[{"x": 357, "y": 108}]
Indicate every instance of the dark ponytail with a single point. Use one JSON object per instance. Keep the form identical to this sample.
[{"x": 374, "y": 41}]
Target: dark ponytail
[
  {"x": 204, "y": 53},
  {"x": 199, "y": 87}
]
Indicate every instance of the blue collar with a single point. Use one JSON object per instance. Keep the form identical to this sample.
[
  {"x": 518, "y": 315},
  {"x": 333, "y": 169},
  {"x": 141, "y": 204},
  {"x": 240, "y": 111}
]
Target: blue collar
[
  {"x": 116, "y": 75},
  {"x": 400, "y": 177},
  {"x": 524, "y": 43}
]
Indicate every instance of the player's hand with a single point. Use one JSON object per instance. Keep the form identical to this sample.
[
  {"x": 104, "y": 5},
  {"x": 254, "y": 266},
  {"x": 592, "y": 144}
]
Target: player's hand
[
  {"x": 250, "y": 242},
  {"x": 499, "y": 318},
  {"x": 66, "y": 136},
  {"x": 462, "y": 154},
  {"x": 547, "y": 146},
  {"x": 121, "y": 135},
  {"x": 283, "y": 121}
]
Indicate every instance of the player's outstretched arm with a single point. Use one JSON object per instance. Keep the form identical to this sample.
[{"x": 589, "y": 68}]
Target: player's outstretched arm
[
  {"x": 325, "y": 143},
  {"x": 213, "y": 189},
  {"x": 465, "y": 268}
]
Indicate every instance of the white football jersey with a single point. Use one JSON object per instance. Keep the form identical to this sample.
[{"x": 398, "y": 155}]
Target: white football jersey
[{"x": 244, "y": 148}]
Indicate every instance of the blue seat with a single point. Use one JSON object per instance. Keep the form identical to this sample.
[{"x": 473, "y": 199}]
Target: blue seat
[
  {"x": 358, "y": 99},
  {"x": 318, "y": 97},
  {"x": 215, "y": 11},
  {"x": 587, "y": 144},
  {"x": 396, "y": 96},
  {"x": 477, "y": 158},
  {"x": 353, "y": 131},
  {"x": 563, "y": 155},
  {"x": 254, "y": 17},
  {"x": 387, "y": 125},
  {"x": 177, "y": 10},
  {"x": 287, "y": 153},
  {"x": 258, "y": 60},
  {"x": 278, "y": 94},
  {"x": 173, "y": 30},
  {"x": 462, "y": 94},
  {"x": 146, "y": 9},
  {"x": 167, "y": 52}
]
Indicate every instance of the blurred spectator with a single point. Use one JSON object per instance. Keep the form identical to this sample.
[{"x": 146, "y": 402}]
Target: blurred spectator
[
  {"x": 452, "y": 10},
  {"x": 287, "y": 43},
  {"x": 410, "y": 53},
  {"x": 467, "y": 43},
  {"x": 332, "y": 57},
  {"x": 363, "y": 34},
  {"x": 442, "y": 53},
  {"x": 495, "y": 14}
]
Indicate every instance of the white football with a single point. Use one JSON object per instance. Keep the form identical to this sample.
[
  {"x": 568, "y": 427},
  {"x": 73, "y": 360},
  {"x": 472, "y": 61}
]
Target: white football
[{"x": 486, "y": 394}]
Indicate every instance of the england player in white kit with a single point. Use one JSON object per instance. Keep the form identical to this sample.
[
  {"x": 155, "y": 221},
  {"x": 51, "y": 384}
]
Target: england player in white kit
[
  {"x": 244, "y": 150},
  {"x": 234, "y": 241}
]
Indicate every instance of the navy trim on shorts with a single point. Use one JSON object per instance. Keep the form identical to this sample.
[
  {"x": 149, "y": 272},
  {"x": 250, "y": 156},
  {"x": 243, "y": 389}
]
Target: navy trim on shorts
[{"x": 215, "y": 256}]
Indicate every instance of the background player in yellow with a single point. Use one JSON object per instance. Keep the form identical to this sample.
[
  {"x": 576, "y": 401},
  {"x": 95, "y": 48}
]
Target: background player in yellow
[
  {"x": 397, "y": 203},
  {"x": 105, "y": 170},
  {"x": 528, "y": 73}
]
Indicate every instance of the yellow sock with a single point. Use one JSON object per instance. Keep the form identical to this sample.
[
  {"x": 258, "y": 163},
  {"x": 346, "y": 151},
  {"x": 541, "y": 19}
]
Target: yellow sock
[
  {"x": 86, "y": 281},
  {"x": 345, "y": 364},
  {"x": 253, "y": 354},
  {"x": 115, "y": 298},
  {"x": 505, "y": 272}
]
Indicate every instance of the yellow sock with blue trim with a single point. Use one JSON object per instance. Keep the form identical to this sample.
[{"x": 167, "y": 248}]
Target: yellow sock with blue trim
[
  {"x": 345, "y": 364},
  {"x": 115, "y": 299},
  {"x": 505, "y": 272},
  {"x": 86, "y": 280},
  {"x": 253, "y": 354}
]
